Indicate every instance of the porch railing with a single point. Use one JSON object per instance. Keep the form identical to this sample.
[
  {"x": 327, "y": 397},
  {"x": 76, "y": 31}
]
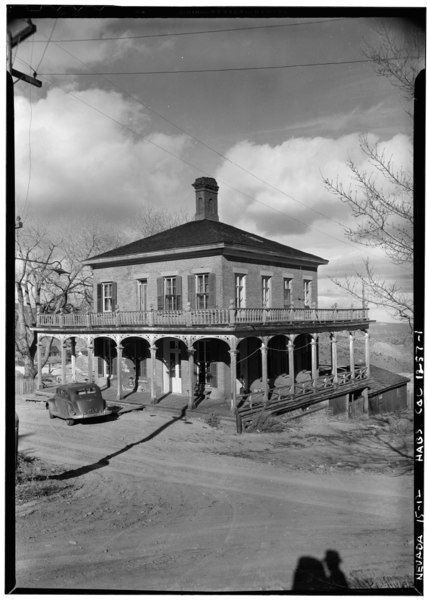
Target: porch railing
[
  {"x": 211, "y": 316},
  {"x": 303, "y": 388}
]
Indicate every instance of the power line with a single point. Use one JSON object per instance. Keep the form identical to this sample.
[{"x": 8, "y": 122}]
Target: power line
[
  {"x": 198, "y": 140},
  {"x": 198, "y": 168},
  {"x": 47, "y": 44},
  {"x": 222, "y": 69},
  {"x": 187, "y": 33}
]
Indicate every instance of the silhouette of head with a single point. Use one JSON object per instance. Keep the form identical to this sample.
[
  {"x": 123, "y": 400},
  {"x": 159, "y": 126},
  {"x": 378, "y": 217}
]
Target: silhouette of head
[{"x": 332, "y": 559}]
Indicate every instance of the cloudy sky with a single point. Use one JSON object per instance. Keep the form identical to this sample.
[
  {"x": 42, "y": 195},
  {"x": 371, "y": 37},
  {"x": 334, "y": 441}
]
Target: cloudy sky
[{"x": 133, "y": 110}]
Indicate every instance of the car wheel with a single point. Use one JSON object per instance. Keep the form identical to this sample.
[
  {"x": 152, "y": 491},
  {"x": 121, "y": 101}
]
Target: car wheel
[{"x": 70, "y": 422}]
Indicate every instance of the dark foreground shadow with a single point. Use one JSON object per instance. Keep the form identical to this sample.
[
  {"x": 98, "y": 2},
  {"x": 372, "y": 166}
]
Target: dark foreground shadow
[
  {"x": 311, "y": 575},
  {"x": 103, "y": 462}
]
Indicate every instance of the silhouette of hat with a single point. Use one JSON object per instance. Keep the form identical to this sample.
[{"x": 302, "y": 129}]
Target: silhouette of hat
[{"x": 332, "y": 557}]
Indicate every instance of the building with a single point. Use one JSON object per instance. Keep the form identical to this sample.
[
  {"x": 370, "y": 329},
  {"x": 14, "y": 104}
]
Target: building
[{"x": 206, "y": 308}]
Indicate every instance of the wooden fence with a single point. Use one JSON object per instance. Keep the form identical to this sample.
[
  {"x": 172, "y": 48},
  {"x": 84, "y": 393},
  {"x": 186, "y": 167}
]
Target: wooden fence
[{"x": 24, "y": 386}]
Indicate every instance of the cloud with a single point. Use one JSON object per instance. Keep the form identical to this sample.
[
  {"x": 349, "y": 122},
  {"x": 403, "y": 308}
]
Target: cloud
[{"x": 77, "y": 157}]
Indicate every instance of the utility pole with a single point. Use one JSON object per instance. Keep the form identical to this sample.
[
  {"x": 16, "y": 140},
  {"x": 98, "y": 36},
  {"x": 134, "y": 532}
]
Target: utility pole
[{"x": 17, "y": 31}]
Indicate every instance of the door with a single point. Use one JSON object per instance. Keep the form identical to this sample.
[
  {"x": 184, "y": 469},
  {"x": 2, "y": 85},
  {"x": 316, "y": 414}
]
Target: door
[{"x": 172, "y": 380}]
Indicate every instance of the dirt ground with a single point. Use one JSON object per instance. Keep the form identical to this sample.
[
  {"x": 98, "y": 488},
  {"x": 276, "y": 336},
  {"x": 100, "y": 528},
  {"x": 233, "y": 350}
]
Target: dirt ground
[{"x": 161, "y": 503}]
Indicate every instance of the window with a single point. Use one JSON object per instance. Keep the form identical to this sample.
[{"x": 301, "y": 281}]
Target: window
[
  {"x": 307, "y": 293},
  {"x": 142, "y": 294},
  {"x": 169, "y": 292},
  {"x": 266, "y": 291},
  {"x": 240, "y": 287},
  {"x": 202, "y": 290},
  {"x": 287, "y": 292},
  {"x": 107, "y": 297}
]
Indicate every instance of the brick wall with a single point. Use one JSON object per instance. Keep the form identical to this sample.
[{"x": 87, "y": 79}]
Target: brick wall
[{"x": 127, "y": 276}]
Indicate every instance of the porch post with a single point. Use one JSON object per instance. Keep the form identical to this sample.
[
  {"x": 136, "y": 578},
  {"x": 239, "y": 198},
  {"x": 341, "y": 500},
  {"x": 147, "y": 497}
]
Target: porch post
[
  {"x": 264, "y": 368},
  {"x": 153, "y": 350},
  {"x": 367, "y": 354},
  {"x": 233, "y": 375},
  {"x": 334, "y": 357},
  {"x": 291, "y": 362},
  {"x": 63, "y": 362},
  {"x": 39, "y": 363},
  {"x": 314, "y": 369},
  {"x": 351, "y": 344},
  {"x": 90, "y": 349},
  {"x": 73, "y": 359},
  {"x": 191, "y": 352},
  {"x": 119, "y": 349}
]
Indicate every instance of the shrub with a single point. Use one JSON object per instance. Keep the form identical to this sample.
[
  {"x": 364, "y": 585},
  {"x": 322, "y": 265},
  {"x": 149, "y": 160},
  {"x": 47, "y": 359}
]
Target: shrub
[
  {"x": 264, "y": 422},
  {"x": 212, "y": 420}
]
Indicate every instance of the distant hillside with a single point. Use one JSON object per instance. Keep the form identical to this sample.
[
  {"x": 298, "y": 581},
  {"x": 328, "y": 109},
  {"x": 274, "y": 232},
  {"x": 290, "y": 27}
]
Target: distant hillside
[{"x": 391, "y": 347}]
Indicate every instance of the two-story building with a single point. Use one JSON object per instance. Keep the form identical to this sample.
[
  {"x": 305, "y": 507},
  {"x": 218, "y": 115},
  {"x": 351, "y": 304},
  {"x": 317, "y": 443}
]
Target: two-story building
[{"x": 206, "y": 307}]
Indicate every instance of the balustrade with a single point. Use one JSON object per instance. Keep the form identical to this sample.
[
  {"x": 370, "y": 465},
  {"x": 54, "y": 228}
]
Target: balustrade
[{"x": 214, "y": 316}]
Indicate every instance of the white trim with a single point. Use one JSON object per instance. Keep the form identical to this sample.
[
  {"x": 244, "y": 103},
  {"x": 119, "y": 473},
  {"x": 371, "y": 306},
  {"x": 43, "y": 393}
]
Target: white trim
[
  {"x": 307, "y": 277},
  {"x": 201, "y": 270},
  {"x": 266, "y": 273},
  {"x": 239, "y": 271}
]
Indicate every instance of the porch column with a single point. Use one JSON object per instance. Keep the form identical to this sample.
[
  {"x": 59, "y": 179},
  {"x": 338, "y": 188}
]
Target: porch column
[
  {"x": 264, "y": 368},
  {"x": 351, "y": 344},
  {"x": 233, "y": 375},
  {"x": 334, "y": 357},
  {"x": 39, "y": 363},
  {"x": 63, "y": 362},
  {"x": 153, "y": 350},
  {"x": 367, "y": 355},
  {"x": 90, "y": 350},
  {"x": 73, "y": 359},
  {"x": 191, "y": 352},
  {"x": 291, "y": 363},
  {"x": 119, "y": 350},
  {"x": 314, "y": 369}
]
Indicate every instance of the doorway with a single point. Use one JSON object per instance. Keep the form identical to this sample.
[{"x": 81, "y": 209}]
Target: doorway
[{"x": 172, "y": 375}]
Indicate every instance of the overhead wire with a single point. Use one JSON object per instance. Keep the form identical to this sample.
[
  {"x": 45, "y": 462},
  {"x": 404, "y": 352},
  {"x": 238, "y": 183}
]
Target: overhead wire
[
  {"x": 223, "y": 156},
  {"x": 189, "y": 33},
  {"x": 47, "y": 44},
  {"x": 219, "y": 70},
  {"x": 193, "y": 166}
]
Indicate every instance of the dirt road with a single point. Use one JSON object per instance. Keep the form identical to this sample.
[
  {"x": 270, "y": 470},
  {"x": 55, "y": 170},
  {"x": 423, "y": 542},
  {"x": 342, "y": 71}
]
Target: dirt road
[{"x": 171, "y": 504}]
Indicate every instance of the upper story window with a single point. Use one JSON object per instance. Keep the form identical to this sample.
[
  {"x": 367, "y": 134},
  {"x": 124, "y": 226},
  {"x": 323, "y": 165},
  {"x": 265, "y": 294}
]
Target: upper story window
[
  {"x": 307, "y": 293},
  {"x": 287, "y": 291},
  {"x": 142, "y": 294},
  {"x": 169, "y": 293},
  {"x": 107, "y": 296},
  {"x": 240, "y": 290},
  {"x": 266, "y": 291},
  {"x": 202, "y": 290}
]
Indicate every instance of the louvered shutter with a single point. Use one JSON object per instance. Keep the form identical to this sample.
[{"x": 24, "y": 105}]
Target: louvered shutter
[
  {"x": 211, "y": 290},
  {"x": 192, "y": 291},
  {"x": 99, "y": 297},
  {"x": 160, "y": 297},
  {"x": 114, "y": 295},
  {"x": 178, "y": 292}
]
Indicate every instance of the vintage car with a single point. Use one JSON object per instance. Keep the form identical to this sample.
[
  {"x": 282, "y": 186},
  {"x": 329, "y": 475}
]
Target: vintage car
[{"x": 77, "y": 401}]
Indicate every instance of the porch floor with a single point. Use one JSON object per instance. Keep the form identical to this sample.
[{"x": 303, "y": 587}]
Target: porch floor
[{"x": 171, "y": 402}]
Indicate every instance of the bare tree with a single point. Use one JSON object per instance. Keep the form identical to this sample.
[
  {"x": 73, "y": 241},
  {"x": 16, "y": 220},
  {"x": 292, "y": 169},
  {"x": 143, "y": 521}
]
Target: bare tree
[
  {"x": 381, "y": 198},
  {"x": 50, "y": 276}
]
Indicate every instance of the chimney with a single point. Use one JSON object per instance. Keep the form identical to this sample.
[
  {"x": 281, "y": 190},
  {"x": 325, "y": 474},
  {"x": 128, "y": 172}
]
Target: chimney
[{"x": 206, "y": 199}]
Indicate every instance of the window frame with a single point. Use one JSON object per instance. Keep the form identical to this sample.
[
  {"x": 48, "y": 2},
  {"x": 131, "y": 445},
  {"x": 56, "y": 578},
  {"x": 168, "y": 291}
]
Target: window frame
[
  {"x": 288, "y": 286},
  {"x": 240, "y": 290},
  {"x": 142, "y": 294},
  {"x": 106, "y": 297},
  {"x": 308, "y": 292},
  {"x": 266, "y": 291},
  {"x": 201, "y": 285}
]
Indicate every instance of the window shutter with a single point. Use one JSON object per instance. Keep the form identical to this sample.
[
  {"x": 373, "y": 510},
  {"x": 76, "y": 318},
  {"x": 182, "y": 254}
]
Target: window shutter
[
  {"x": 114, "y": 295},
  {"x": 160, "y": 297},
  {"x": 99, "y": 297},
  {"x": 178, "y": 292},
  {"x": 192, "y": 291},
  {"x": 211, "y": 290}
]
